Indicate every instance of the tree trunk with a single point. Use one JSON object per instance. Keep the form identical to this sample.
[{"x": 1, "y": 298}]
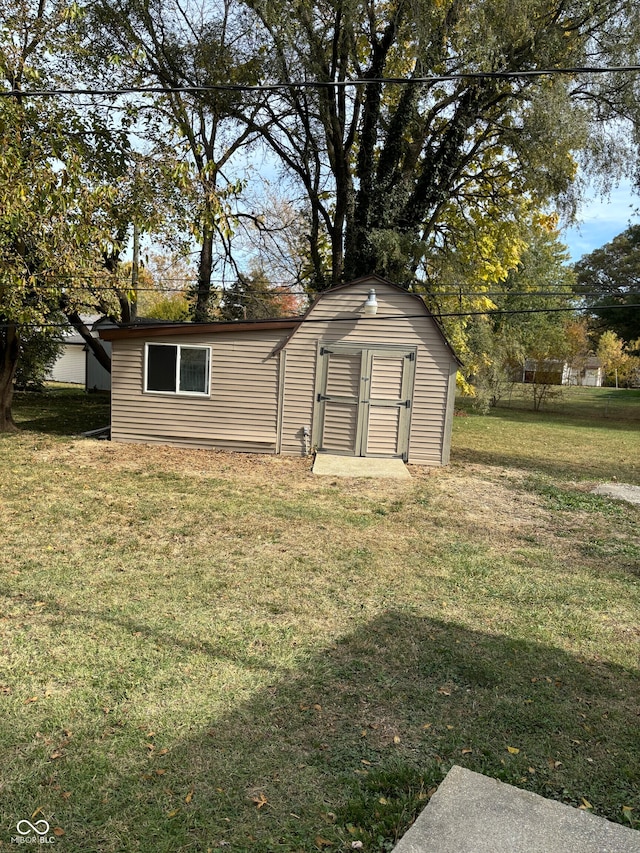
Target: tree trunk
[
  {"x": 9, "y": 350},
  {"x": 94, "y": 344},
  {"x": 201, "y": 313}
]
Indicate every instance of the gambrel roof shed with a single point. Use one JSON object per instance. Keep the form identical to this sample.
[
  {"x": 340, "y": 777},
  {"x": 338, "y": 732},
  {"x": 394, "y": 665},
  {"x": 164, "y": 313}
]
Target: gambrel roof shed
[{"x": 336, "y": 380}]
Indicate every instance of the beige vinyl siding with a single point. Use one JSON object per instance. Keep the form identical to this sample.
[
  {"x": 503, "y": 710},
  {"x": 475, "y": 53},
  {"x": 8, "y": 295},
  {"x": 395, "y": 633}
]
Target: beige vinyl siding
[
  {"x": 336, "y": 318},
  {"x": 239, "y": 414}
]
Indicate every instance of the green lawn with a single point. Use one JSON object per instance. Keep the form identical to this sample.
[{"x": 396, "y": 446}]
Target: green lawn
[{"x": 204, "y": 651}]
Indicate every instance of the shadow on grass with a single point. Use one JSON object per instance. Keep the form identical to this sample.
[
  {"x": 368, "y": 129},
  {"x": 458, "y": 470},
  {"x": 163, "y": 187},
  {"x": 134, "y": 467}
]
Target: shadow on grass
[
  {"x": 553, "y": 466},
  {"x": 350, "y": 746},
  {"x": 61, "y": 411}
]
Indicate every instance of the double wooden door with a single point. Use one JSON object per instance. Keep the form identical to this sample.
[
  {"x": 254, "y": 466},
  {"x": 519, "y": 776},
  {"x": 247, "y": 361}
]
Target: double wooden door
[{"x": 363, "y": 400}]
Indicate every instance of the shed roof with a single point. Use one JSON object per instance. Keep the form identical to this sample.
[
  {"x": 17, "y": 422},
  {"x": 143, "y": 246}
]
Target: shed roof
[
  {"x": 158, "y": 329},
  {"x": 150, "y": 329}
]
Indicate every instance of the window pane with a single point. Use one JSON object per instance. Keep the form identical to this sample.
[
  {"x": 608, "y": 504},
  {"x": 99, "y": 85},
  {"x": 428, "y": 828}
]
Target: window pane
[
  {"x": 194, "y": 364},
  {"x": 161, "y": 368}
]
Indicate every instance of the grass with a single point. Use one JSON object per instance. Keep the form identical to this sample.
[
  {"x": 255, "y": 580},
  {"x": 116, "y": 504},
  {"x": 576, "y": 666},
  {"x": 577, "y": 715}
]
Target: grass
[{"x": 203, "y": 650}]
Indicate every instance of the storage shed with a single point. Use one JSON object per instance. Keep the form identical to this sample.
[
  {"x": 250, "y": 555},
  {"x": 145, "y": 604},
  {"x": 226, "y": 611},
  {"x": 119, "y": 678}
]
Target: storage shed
[{"x": 366, "y": 371}]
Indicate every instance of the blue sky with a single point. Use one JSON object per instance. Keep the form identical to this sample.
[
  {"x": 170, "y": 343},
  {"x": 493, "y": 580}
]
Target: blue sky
[{"x": 601, "y": 219}]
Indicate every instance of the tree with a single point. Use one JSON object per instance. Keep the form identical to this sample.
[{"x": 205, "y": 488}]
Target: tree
[
  {"x": 387, "y": 169},
  {"x": 620, "y": 367},
  {"x": 609, "y": 281},
  {"x": 173, "y": 45},
  {"x": 534, "y": 322},
  {"x": 252, "y": 297},
  {"x": 53, "y": 223}
]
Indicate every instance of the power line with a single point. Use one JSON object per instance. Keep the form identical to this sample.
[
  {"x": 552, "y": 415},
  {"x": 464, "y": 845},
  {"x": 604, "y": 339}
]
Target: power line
[
  {"x": 320, "y": 84},
  {"x": 304, "y": 320}
]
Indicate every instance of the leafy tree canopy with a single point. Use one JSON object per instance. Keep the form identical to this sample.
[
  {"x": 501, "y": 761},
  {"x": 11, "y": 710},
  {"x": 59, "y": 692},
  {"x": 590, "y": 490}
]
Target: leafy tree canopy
[
  {"x": 609, "y": 280},
  {"x": 391, "y": 170}
]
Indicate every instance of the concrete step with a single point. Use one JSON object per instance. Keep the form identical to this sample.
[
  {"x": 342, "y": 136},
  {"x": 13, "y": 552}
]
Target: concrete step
[{"x": 472, "y": 813}]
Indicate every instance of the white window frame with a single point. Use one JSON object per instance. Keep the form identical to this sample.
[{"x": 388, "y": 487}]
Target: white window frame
[{"x": 177, "y": 392}]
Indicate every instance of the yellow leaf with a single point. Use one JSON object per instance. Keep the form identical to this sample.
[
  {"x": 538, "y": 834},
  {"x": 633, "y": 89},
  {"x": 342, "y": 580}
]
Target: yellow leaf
[
  {"x": 323, "y": 842},
  {"x": 162, "y": 752},
  {"x": 189, "y": 796},
  {"x": 427, "y": 726},
  {"x": 173, "y": 812},
  {"x": 260, "y": 800},
  {"x": 382, "y": 801},
  {"x": 585, "y": 804},
  {"x": 364, "y": 761},
  {"x": 396, "y": 739},
  {"x": 32, "y": 699},
  {"x": 513, "y": 750}
]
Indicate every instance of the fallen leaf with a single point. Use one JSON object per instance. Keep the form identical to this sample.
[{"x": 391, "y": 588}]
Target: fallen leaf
[
  {"x": 150, "y": 747},
  {"x": 160, "y": 772},
  {"x": 444, "y": 692},
  {"x": 427, "y": 726},
  {"x": 31, "y": 699},
  {"x": 382, "y": 801},
  {"x": 585, "y": 804},
  {"x": 356, "y": 845},
  {"x": 260, "y": 800},
  {"x": 58, "y": 831},
  {"x": 321, "y": 842},
  {"x": 467, "y": 751},
  {"x": 513, "y": 750},
  {"x": 173, "y": 812},
  {"x": 55, "y": 754},
  {"x": 364, "y": 761},
  {"x": 317, "y": 707},
  {"x": 66, "y": 795},
  {"x": 396, "y": 739},
  {"x": 189, "y": 796},
  {"x": 162, "y": 752}
]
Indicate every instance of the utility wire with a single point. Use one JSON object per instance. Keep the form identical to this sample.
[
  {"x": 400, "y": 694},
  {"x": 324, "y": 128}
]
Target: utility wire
[
  {"x": 321, "y": 84},
  {"x": 303, "y": 320}
]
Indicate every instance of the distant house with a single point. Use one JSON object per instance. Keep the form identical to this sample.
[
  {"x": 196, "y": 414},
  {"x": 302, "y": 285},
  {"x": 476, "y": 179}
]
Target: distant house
[
  {"x": 367, "y": 371},
  {"x": 77, "y": 364},
  {"x": 587, "y": 372}
]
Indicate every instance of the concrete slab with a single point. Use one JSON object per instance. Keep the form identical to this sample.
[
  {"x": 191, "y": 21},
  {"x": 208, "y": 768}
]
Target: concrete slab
[
  {"x": 471, "y": 813},
  {"x": 620, "y": 491},
  {"x": 328, "y": 465}
]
